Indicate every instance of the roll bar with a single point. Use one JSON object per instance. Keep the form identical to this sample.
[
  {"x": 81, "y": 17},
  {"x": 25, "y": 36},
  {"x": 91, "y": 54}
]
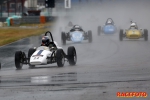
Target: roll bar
[{"x": 50, "y": 35}]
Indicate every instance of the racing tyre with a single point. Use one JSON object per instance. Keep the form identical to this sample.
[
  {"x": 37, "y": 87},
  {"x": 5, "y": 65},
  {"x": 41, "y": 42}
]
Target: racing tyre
[
  {"x": 18, "y": 60},
  {"x": 30, "y": 52},
  {"x": 90, "y": 36},
  {"x": 99, "y": 30},
  {"x": 63, "y": 38},
  {"x": 72, "y": 57},
  {"x": 60, "y": 58},
  {"x": 121, "y": 35},
  {"x": 145, "y": 34}
]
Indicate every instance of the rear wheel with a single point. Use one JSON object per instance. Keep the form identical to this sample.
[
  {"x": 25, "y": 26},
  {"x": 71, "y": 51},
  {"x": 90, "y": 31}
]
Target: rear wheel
[
  {"x": 18, "y": 60},
  {"x": 99, "y": 30},
  {"x": 90, "y": 36},
  {"x": 60, "y": 58},
  {"x": 30, "y": 52},
  {"x": 63, "y": 38},
  {"x": 121, "y": 35},
  {"x": 145, "y": 34},
  {"x": 72, "y": 57}
]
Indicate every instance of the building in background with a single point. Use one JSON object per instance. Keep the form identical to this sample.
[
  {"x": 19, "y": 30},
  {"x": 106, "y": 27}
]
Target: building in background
[
  {"x": 12, "y": 5},
  {"x": 18, "y": 7}
]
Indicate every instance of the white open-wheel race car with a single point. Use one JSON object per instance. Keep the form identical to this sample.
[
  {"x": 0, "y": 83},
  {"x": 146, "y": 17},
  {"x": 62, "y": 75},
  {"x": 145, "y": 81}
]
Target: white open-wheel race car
[{"x": 44, "y": 55}]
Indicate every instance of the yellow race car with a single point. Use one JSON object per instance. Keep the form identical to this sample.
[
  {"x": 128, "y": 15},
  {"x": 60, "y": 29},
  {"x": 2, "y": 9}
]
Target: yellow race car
[{"x": 133, "y": 33}]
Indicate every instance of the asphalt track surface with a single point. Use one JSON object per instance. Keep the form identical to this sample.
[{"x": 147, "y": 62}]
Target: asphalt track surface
[{"x": 104, "y": 67}]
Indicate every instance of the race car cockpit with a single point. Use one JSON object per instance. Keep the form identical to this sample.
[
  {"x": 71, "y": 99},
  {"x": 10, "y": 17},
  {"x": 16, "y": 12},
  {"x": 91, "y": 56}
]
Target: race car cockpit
[
  {"x": 76, "y": 28},
  {"x": 48, "y": 41},
  {"x": 109, "y": 21},
  {"x": 133, "y": 25}
]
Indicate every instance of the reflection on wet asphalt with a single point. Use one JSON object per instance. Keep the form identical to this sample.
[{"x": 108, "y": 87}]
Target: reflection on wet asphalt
[{"x": 64, "y": 77}]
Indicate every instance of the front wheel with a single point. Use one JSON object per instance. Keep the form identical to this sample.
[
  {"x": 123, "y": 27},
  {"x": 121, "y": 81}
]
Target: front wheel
[
  {"x": 72, "y": 57},
  {"x": 90, "y": 36},
  {"x": 99, "y": 30},
  {"x": 18, "y": 60},
  {"x": 121, "y": 35},
  {"x": 30, "y": 52},
  {"x": 60, "y": 59},
  {"x": 145, "y": 34},
  {"x": 63, "y": 38}
]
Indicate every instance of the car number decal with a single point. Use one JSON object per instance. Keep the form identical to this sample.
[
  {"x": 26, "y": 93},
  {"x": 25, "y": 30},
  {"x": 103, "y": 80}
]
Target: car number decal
[
  {"x": 36, "y": 57},
  {"x": 39, "y": 53}
]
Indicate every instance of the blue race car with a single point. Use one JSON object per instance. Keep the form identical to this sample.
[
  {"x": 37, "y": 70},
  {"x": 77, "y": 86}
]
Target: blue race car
[
  {"x": 108, "y": 28},
  {"x": 77, "y": 35}
]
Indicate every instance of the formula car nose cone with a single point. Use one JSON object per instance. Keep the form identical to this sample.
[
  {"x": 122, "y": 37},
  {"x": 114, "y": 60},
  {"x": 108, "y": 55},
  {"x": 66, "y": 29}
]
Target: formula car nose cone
[
  {"x": 39, "y": 57},
  {"x": 134, "y": 34},
  {"x": 109, "y": 29},
  {"x": 77, "y": 36}
]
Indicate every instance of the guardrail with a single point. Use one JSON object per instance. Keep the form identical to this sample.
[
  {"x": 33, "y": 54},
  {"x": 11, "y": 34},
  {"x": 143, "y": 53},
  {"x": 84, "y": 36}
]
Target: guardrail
[{"x": 30, "y": 19}]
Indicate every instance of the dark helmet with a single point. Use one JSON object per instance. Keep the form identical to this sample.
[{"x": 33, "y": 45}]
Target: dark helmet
[
  {"x": 45, "y": 40},
  {"x": 70, "y": 24}
]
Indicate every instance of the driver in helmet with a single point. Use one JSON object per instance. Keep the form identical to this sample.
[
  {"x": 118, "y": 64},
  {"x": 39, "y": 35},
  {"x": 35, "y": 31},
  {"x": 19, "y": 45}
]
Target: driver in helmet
[
  {"x": 109, "y": 22},
  {"x": 133, "y": 24},
  {"x": 46, "y": 42}
]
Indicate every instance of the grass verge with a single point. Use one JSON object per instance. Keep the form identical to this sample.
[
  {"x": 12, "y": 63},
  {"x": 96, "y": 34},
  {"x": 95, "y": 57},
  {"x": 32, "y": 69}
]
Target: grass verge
[{"x": 9, "y": 35}]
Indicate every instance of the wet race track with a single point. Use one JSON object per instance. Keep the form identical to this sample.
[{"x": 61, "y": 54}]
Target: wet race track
[{"x": 104, "y": 67}]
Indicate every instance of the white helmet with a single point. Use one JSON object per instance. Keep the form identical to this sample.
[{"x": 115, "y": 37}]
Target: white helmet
[
  {"x": 109, "y": 22},
  {"x": 133, "y": 24}
]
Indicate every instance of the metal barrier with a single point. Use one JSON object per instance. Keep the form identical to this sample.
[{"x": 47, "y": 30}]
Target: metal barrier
[
  {"x": 28, "y": 20},
  {"x": 17, "y": 21},
  {"x": 3, "y": 19}
]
